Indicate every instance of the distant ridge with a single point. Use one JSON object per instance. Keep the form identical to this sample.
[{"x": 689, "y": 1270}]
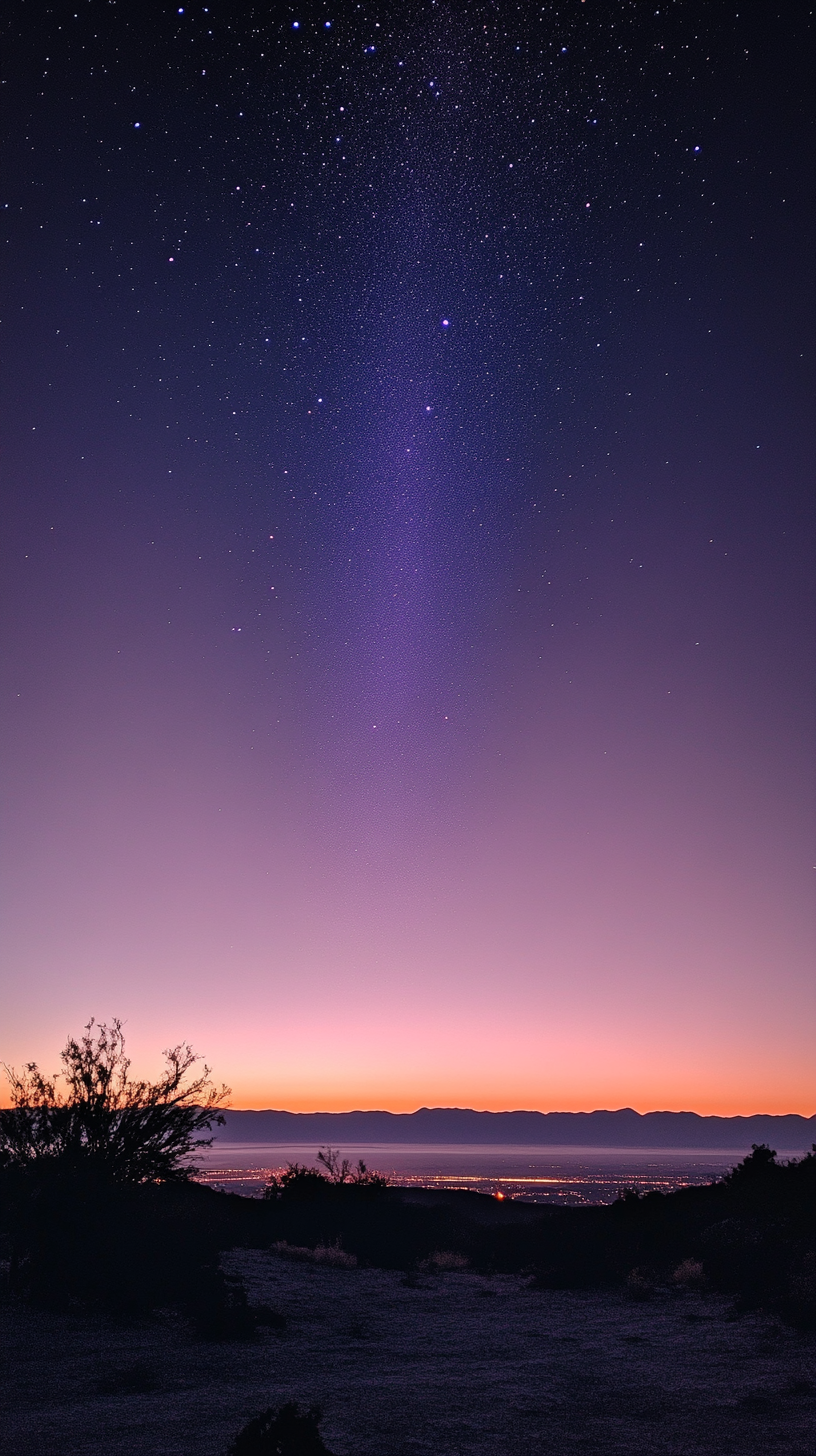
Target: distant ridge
[{"x": 622, "y": 1129}]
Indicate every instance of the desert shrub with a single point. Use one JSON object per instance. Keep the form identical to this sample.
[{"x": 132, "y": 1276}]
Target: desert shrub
[
  {"x": 283, "y": 1432},
  {"x": 298, "y": 1183}
]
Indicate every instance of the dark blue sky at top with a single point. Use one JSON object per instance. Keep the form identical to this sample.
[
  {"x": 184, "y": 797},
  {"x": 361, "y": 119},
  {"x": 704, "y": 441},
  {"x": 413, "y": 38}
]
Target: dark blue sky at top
[
  {"x": 384, "y": 380},
  {"x": 444, "y": 297}
]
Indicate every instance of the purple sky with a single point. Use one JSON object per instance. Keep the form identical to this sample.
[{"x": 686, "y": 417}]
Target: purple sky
[{"x": 408, "y": 661}]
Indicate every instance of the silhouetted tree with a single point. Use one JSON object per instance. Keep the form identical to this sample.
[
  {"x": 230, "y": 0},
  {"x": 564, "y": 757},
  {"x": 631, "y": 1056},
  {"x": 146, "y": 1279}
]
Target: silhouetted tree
[
  {"x": 132, "y": 1131},
  {"x": 341, "y": 1171}
]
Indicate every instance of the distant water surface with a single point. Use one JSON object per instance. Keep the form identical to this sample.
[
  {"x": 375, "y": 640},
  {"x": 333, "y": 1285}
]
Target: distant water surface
[{"x": 564, "y": 1175}]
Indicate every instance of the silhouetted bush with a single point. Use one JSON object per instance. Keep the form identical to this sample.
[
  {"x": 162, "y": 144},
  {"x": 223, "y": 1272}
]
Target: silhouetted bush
[
  {"x": 297, "y": 1183},
  {"x": 340, "y": 1170},
  {"x": 302, "y": 1182},
  {"x": 283, "y": 1432},
  {"x": 133, "y": 1132}
]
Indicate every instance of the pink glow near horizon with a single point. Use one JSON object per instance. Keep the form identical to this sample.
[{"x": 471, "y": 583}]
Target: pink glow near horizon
[{"x": 567, "y": 937}]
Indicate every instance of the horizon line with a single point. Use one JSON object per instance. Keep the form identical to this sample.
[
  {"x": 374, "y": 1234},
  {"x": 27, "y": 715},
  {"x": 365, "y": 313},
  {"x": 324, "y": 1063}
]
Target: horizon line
[{"x": 523, "y": 1112}]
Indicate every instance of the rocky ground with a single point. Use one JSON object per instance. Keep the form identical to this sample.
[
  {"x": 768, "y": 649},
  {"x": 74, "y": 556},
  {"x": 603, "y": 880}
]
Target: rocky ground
[{"x": 459, "y": 1366}]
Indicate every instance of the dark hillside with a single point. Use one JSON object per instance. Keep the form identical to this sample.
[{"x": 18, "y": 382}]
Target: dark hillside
[{"x": 81, "y": 1238}]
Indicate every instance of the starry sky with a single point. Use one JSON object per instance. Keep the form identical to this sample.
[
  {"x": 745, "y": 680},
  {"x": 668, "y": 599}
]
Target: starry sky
[{"x": 408, "y": 681}]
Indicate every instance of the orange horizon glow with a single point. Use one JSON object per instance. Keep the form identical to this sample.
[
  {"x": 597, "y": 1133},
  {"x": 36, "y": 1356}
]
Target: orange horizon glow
[
  {"x": 779, "y": 1107},
  {"x": 349, "y": 1066}
]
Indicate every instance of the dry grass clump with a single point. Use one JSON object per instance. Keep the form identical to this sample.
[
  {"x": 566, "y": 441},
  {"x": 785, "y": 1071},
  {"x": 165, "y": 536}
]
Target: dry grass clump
[
  {"x": 689, "y": 1274},
  {"x": 443, "y": 1261},
  {"x": 329, "y": 1254}
]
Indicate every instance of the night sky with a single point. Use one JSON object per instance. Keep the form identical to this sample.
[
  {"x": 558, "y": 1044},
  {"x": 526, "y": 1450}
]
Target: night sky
[{"x": 408, "y": 558}]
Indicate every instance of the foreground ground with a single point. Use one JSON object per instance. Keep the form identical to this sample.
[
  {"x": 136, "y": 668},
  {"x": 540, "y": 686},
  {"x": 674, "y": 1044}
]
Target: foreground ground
[{"x": 460, "y": 1366}]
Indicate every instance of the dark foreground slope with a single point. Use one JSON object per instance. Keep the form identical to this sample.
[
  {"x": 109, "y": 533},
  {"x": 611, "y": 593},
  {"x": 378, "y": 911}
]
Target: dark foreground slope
[
  {"x": 69, "y": 1238},
  {"x": 446, "y": 1365},
  {"x": 167, "y": 1317}
]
